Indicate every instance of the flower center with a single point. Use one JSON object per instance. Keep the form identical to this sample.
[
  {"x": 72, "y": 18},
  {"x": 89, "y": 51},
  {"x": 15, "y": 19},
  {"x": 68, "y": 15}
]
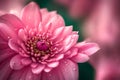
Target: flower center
[
  {"x": 38, "y": 48},
  {"x": 42, "y": 46}
]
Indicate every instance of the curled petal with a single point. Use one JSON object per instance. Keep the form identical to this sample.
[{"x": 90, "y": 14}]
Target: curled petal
[
  {"x": 80, "y": 58},
  {"x": 38, "y": 69},
  {"x": 22, "y": 35},
  {"x": 59, "y": 56},
  {"x": 34, "y": 65},
  {"x": 13, "y": 45},
  {"x": 26, "y": 61},
  {"x": 47, "y": 69},
  {"x": 15, "y": 62},
  {"x": 87, "y": 48},
  {"x": 53, "y": 64}
]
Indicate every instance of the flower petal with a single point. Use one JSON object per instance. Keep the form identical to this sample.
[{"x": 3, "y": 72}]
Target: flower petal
[
  {"x": 59, "y": 56},
  {"x": 6, "y": 30},
  {"x": 19, "y": 74},
  {"x": 67, "y": 31},
  {"x": 4, "y": 45},
  {"x": 43, "y": 11},
  {"x": 23, "y": 75},
  {"x": 70, "y": 41},
  {"x": 15, "y": 62},
  {"x": 72, "y": 52},
  {"x": 53, "y": 64},
  {"x": 5, "y": 54},
  {"x": 13, "y": 45},
  {"x": 54, "y": 18},
  {"x": 34, "y": 65},
  {"x": 87, "y": 48},
  {"x": 80, "y": 58},
  {"x": 57, "y": 32},
  {"x": 22, "y": 35},
  {"x": 38, "y": 69},
  {"x": 15, "y": 75},
  {"x": 57, "y": 21},
  {"x": 5, "y": 70},
  {"x": 67, "y": 70},
  {"x": 15, "y": 21},
  {"x": 54, "y": 74},
  {"x": 31, "y": 76},
  {"x": 31, "y": 15},
  {"x": 26, "y": 61},
  {"x": 47, "y": 69}
]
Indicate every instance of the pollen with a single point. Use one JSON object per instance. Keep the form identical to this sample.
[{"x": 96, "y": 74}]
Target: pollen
[{"x": 38, "y": 48}]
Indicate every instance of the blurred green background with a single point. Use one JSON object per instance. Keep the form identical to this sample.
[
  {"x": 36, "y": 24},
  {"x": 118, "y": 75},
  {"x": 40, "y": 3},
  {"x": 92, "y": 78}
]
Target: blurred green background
[{"x": 86, "y": 72}]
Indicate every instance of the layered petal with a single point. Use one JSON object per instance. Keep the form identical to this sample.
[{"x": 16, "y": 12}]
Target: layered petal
[
  {"x": 32, "y": 76},
  {"x": 13, "y": 45},
  {"x": 4, "y": 44},
  {"x": 53, "y": 64},
  {"x": 14, "y": 21},
  {"x": 80, "y": 58},
  {"x": 15, "y": 75},
  {"x": 31, "y": 15},
  {"x": 38, "y": 69},
  {"x": 67, "y": 70},
  {"x": 5, "y": 54},
  {"x": 70, "y": 41},
  {"x": 87, "y": 48},
  {"x": 6, "y": 30},
  {"x": 5, "y": 69},
  {"x": 24, "y": 74},
  {"x": 16, "y": 63}
]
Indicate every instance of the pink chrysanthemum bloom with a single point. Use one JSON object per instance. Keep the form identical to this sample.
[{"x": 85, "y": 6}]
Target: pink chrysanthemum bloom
[{"x": 38, "y": 46}]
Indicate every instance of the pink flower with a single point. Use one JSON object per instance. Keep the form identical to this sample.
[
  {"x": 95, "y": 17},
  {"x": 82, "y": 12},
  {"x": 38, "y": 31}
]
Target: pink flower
[
  {"x": 78, "y": 8},
  {"x": 103, "y": 27},
  {"x": 38, "y": 46}
]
